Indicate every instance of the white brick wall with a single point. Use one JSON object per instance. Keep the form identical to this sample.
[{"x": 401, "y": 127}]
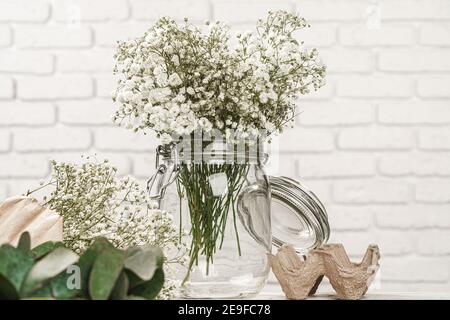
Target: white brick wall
[
  {"x": 374, "y": 143},
  {"x": 24, "y": 11}
]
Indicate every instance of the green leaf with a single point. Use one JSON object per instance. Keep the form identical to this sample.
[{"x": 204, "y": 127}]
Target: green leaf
[
  {"x": 144, "y": 261},
  {"x": 14, "y": 265},
  {"x": 59, "y": 286},
  {"x": 87, "y": 260},
  {"x": 121, "y": 288},
  {"x": 24, "y": 242},
  {"x": 44, "y": 248},
  {"x": 46, "y": 268},
  {"x": 151, "y": 288},
  {"x": 42, "y": 293},
  {"x": 105, "y": 272},
  {"x": 133, "y": 279},
  {"x": 7, "y": 290}
]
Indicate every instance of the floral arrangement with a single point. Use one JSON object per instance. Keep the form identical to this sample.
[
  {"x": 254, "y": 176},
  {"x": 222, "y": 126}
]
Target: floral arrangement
[
  {"x": 179, "y": 78},
  {"x": 95, "y": 203}
]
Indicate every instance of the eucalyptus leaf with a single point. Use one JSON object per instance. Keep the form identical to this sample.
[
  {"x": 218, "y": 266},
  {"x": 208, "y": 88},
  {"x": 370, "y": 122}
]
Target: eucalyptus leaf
[
  {"x": 24, "y": 242},
  {"x": 14, "y": 265},
  {"x": 144, "y": 261},
  {"x": 44, "y": 292},
  {"x": 48, "y": 267},
  {"x": 133, "y": 279},
  {"x": 150, "y": 289},
  {"x": 87, "y": 260},
  {"x": 60, "y": 286},
  {"x": 7, "y": 289},
  {"x": 105, "y": 272},
  {"x": 44, "y": 248},
  {"x": 121, "y": 288}
]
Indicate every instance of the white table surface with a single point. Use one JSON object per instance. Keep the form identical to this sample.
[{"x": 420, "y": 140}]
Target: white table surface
[{"x": 272, "y": 291}]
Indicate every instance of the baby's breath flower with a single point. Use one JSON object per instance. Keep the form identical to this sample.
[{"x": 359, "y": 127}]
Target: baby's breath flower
[
  {"x": 95, "y": 203},
  {"x": 254, "y": 85}
]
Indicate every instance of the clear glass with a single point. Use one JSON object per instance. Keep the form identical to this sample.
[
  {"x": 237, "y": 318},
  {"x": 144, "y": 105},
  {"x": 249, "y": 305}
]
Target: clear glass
[
  {"x": 222, "y": 200},
  {"x": 298, "y": 216}
]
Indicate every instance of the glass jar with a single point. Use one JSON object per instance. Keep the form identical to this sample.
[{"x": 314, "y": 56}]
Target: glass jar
[
  {"x": 219, "y": 195},
  {"x": 230, "y": 215}
]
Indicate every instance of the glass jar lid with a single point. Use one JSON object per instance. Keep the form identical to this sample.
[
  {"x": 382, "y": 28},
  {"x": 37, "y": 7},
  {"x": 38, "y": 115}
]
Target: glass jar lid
[{"x": 298, "y": 216}]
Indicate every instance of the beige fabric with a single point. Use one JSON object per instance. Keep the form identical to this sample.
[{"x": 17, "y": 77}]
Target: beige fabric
[{"x": 20, "y": 213}]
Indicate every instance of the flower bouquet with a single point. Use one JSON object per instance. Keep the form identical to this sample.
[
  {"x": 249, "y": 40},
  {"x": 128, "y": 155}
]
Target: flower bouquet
[{"x": 213, "y": 105}]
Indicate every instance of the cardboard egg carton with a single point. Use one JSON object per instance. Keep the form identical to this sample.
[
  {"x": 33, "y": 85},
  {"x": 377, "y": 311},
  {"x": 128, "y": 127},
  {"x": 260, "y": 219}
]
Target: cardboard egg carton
[{"x": 300, "y": 278}]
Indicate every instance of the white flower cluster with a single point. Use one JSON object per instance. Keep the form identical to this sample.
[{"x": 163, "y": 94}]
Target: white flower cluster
[
  {"x": 179, "y": 78},
  {"x": 95, "y": 203}
]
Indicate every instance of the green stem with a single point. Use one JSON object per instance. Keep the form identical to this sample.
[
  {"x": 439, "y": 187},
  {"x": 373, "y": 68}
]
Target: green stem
[{"x": 209, "y": 212}]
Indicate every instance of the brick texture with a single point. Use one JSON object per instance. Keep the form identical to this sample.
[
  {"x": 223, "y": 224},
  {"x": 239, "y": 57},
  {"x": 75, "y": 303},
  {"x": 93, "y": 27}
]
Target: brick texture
[
  {"x": 27, "y": 114},
  {"x": 433, "y": 86},
  {"x": 48, "y": 139},
  {"x": 25, "y": 62},
  {"x": 85, "y": 61},
  {"x": 55, "y": 87},
  {"x": 5, "y": 36},
  {"x": 24, "y": 11},
  {"x": 195, "y": 10},
  {"x": 5, "y": 138},
  {"x": 373, "y": 144},
  {"x": 381, "y": 138},
  {"x": 405, "y": 60},
  {"x": 6, "y": 87},
  {"x": 53, "y": 36},
  {"x": 88, "y": 10}
]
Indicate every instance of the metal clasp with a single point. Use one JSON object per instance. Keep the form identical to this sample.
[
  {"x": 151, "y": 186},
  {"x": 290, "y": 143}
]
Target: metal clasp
[{"x": 166, "y": 173}]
